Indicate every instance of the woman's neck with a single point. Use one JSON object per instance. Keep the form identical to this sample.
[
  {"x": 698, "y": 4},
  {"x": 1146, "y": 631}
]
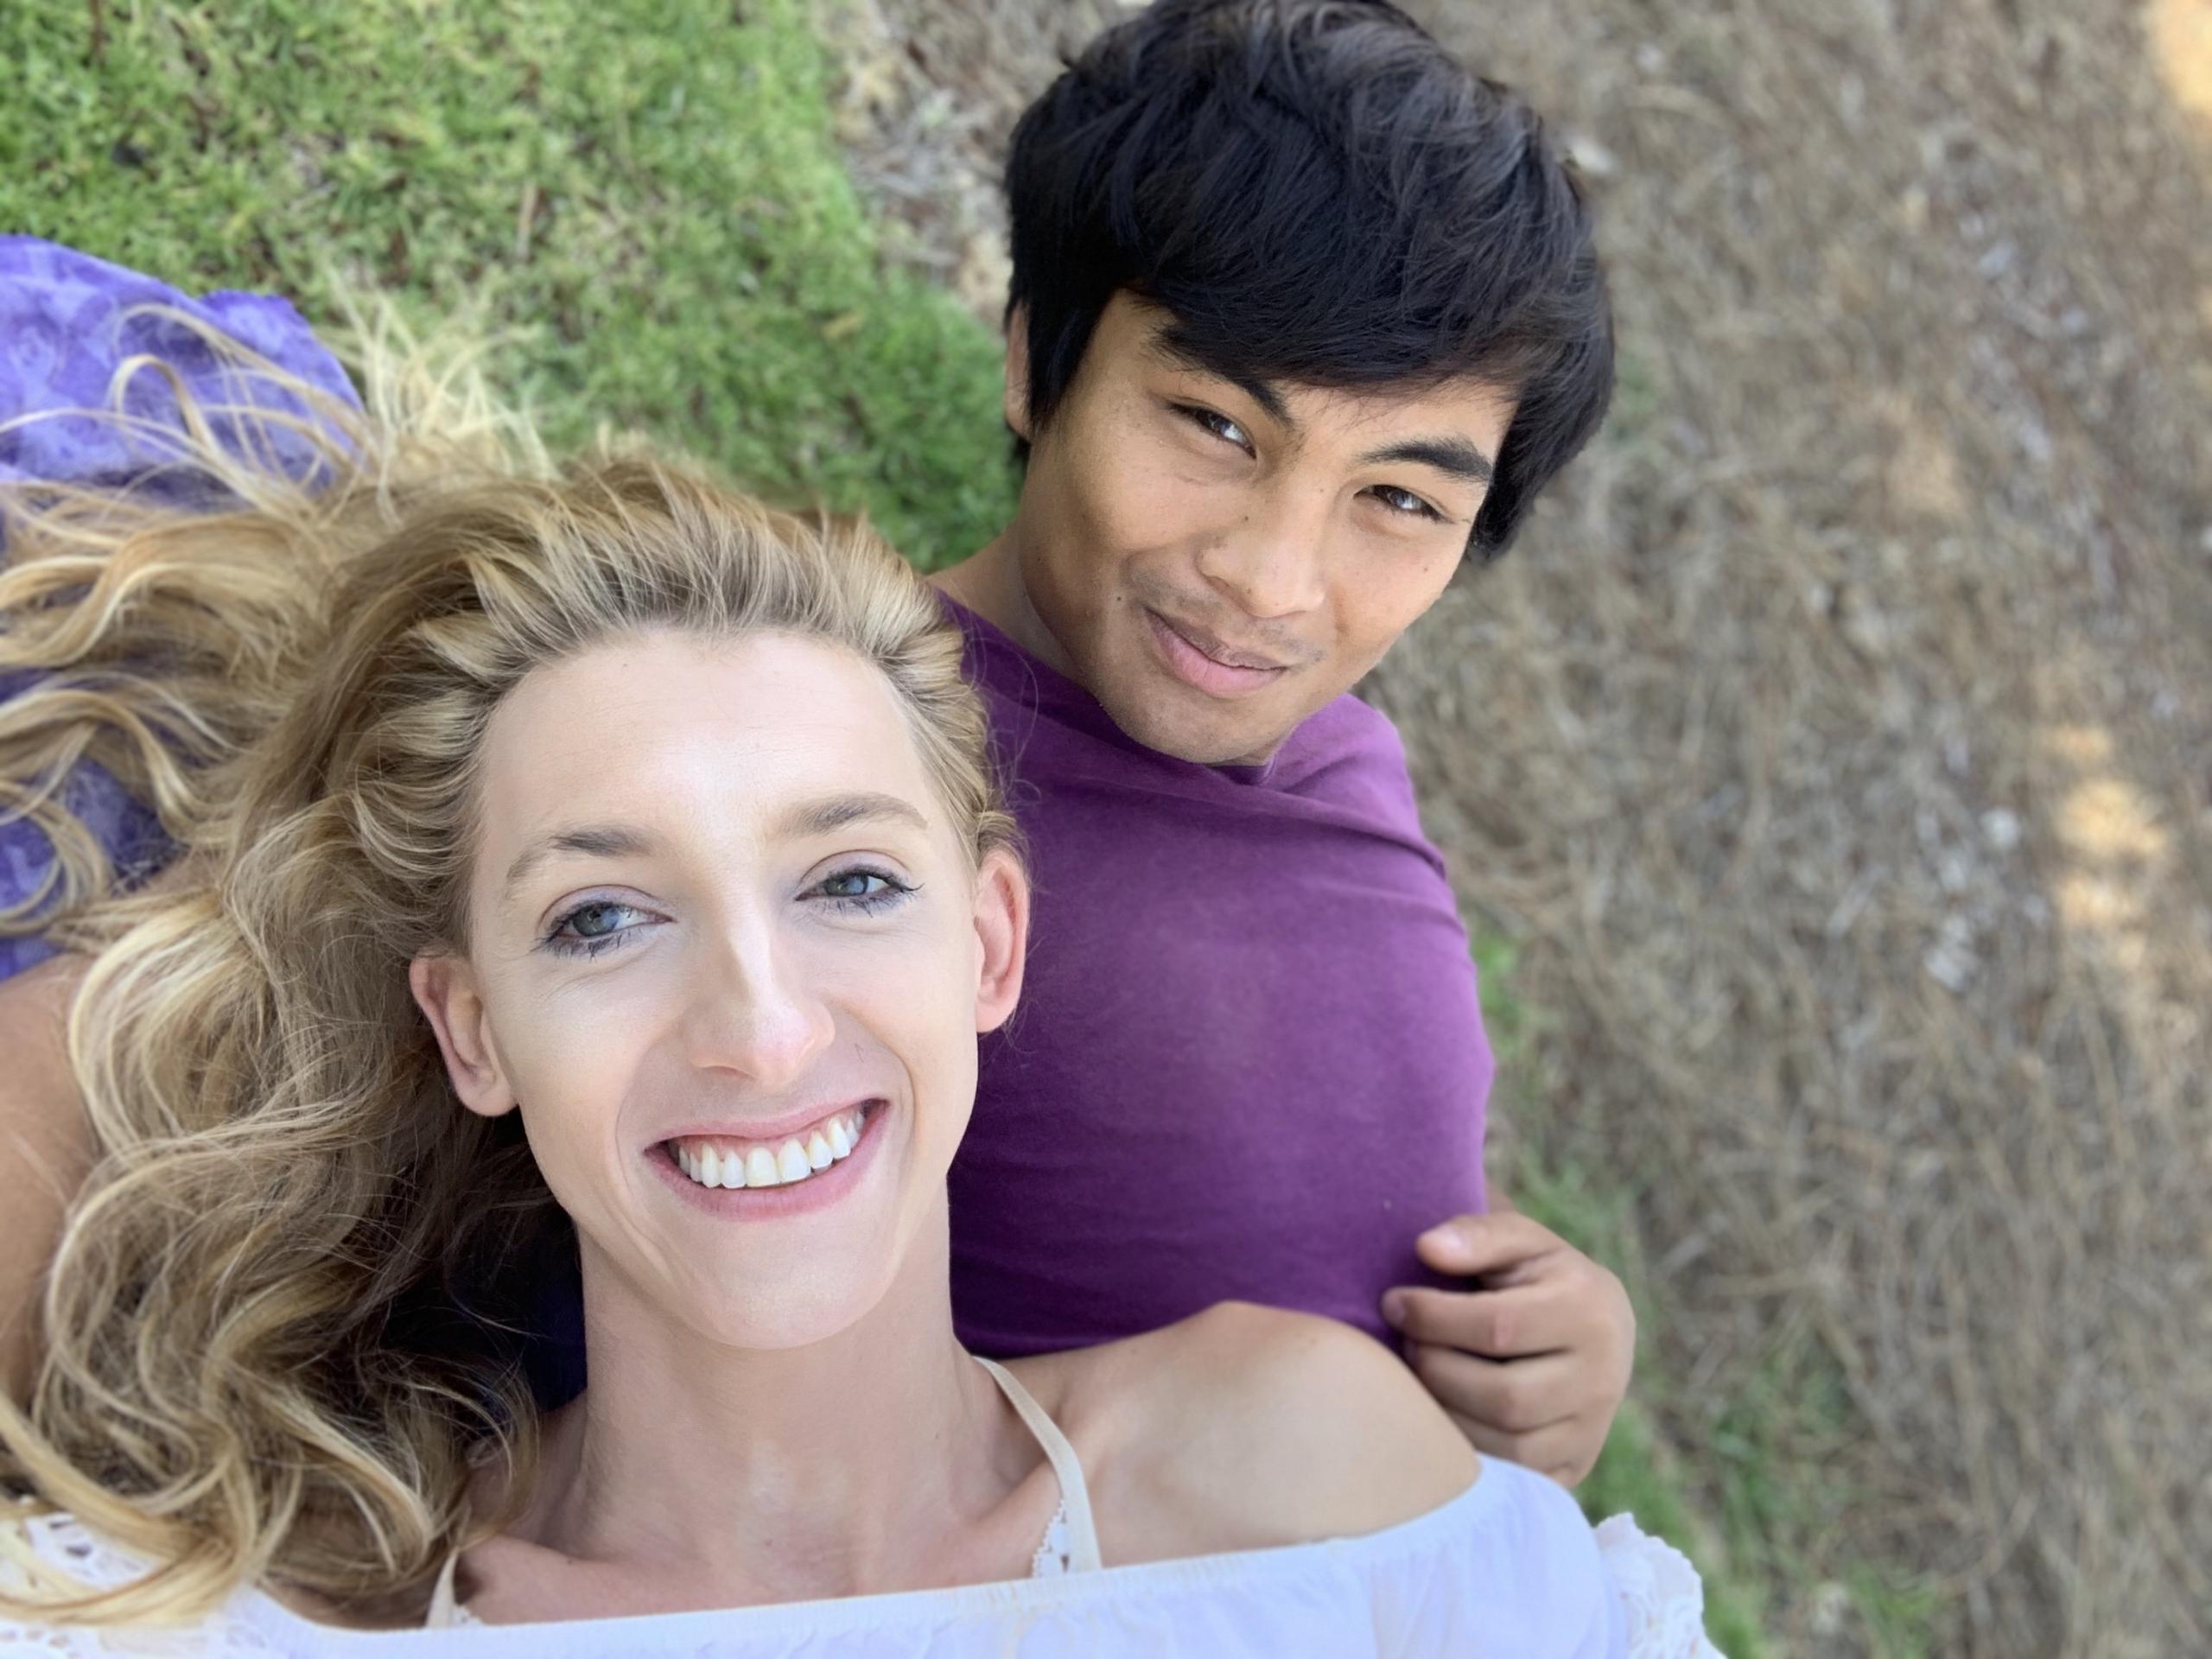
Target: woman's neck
[{"x": 843, "y": 1467}]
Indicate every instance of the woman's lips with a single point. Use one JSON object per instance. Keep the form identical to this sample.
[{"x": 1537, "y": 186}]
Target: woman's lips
[
  {"x": 680, "y": 1163},
  {"x": 1196, "y": 669}
]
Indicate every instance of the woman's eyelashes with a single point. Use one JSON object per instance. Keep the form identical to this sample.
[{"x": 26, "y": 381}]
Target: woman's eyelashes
[
  {"x": 594, "y": 927},
  {"x": 860, "y": 889}
]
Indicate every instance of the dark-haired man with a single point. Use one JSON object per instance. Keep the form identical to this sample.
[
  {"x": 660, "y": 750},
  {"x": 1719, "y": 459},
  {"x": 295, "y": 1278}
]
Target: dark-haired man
[{"x": 1303, "y": 315}]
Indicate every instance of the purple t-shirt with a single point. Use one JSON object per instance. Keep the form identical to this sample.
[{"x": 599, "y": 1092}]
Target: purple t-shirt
[{"x": 1248, "y": 1061}]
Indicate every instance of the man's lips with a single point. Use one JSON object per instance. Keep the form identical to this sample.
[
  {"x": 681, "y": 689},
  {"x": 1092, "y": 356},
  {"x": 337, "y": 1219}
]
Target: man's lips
[{"x": 1198, "y": 660}]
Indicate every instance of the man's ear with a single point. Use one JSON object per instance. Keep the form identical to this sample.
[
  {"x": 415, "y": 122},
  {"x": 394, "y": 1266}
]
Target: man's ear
[
  {"x": 1017, "y": 373},
  {"x": 445, "y": 992},
  {"x": 1002, "y": 929}
]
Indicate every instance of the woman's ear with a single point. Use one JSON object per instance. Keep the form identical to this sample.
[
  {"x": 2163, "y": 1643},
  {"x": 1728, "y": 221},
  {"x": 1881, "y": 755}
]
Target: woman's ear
[
  {"x": 1017, "y": 373},
  {"x": 1002, "y": 930},
  {"x": 445, "y": 992}
]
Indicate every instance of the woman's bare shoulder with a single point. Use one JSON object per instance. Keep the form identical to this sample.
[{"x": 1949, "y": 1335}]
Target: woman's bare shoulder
[{"x": 1247, "y": 1427}]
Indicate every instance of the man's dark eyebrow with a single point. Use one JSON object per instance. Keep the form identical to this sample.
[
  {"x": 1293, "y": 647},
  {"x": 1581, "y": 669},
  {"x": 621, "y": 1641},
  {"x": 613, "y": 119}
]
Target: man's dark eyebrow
[
  {"x": 592, "y": 840},
  {"x": 1259, "y": 392},
  {"x": 833, "y": 813},
  {"x": 1457, "y": 456}
]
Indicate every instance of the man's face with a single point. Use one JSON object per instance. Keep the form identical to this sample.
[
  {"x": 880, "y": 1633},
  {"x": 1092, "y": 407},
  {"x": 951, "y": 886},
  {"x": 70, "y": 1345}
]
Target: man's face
[{"x": 1216, "y": 560}]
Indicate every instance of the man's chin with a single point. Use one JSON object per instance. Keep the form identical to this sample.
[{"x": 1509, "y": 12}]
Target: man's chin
[{"x": 1190, "y": 736}]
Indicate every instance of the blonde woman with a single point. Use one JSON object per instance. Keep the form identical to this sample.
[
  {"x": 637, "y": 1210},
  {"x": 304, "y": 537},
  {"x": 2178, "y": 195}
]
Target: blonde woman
[{"x": 591, "y": 854}]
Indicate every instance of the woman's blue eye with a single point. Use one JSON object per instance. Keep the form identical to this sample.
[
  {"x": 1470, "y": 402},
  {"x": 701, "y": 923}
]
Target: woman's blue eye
[
  {"x": 861, "y": 889},
  {"x": 595, "y": 921},
  {"x": 596, "y": 925}
]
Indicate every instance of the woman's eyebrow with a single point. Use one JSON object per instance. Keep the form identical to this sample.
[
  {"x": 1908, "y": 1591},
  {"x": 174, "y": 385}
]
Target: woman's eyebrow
[
  {"x": 834, "y": 812},
  {"x": 592, "y": 840}
]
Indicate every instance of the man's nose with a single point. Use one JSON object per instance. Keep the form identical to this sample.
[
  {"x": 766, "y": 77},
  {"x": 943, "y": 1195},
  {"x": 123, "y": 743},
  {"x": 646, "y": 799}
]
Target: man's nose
[
  {"x": 1270, "y": 564},
  {"x": 753, "y": 1012}
]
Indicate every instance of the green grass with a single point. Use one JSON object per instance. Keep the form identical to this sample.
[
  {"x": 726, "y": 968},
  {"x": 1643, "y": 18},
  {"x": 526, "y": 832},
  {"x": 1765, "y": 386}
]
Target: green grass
[
  {"x": 646, "y": 190},
  {"x": 1638, "y": 1473},
  {"x": 1764, "y": 1489}
]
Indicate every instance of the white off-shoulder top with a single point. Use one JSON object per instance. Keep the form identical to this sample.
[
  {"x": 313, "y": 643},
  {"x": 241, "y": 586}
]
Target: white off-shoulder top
[{"x": 1509, "y": 1568}]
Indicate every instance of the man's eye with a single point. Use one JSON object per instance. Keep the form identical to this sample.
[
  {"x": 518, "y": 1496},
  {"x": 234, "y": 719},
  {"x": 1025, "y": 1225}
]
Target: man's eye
[
  {"x": 1405, "y": 501},
  {"x": 1219, "y": 424}
]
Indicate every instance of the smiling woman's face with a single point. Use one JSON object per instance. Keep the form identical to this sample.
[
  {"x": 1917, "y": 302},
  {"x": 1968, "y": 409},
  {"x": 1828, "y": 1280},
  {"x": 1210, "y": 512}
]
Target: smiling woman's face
[{"x": 729, "y": 955}]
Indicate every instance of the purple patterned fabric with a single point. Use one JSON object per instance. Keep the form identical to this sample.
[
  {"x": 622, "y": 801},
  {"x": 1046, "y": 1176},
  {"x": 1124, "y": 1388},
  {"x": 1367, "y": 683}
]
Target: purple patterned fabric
[{"x": 68, "y": 323}]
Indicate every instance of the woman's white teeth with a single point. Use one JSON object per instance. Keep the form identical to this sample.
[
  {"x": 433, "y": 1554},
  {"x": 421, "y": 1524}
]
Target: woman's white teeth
[{"x": 720, "y": 1164}]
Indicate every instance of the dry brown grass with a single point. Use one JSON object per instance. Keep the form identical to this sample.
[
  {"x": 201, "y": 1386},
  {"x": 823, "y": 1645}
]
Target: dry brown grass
[{"x": 1838, "y": 747}]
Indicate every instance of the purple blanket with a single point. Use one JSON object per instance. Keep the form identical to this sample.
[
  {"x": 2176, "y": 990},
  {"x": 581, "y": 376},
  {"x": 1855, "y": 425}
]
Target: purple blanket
[{"x": 68, "y": 323}]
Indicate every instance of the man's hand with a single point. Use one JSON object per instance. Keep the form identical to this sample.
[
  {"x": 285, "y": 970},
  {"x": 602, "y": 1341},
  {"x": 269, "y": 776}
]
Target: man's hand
[{"x": 1533, "y": 1360}]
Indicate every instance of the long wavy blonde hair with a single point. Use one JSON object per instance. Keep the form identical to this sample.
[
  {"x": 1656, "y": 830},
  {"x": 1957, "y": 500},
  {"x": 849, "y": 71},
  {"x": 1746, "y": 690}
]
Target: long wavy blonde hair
[{"x": 279, "y": 1331}]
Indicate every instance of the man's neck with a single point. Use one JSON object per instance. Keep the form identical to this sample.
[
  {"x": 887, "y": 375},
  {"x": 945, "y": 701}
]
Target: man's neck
[
  {"x": 833, "y": 1469},
  {"x": 990, "y": 583}
]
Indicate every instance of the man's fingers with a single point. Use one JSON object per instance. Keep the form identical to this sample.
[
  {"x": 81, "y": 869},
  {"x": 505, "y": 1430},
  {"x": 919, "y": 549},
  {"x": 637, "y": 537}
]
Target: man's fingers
[
  {"x": 1521, "y": 1323},
  {"x": 1521, "y": 1398},
  {"x": 1494, "y": 1243}
]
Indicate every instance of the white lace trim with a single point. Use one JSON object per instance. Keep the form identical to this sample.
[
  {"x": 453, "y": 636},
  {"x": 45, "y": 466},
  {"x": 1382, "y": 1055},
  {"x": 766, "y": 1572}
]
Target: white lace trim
[
  {"x": 62, "y": 1543},
  {"x": 1660, "y": 1594},
  {"x": 1055, "y": 1551}
]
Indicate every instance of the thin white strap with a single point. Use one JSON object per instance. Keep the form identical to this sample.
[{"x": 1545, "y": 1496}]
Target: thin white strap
[
  {"x": 443, "y": 1614},
  {"x": 1075, "y": 1497}
]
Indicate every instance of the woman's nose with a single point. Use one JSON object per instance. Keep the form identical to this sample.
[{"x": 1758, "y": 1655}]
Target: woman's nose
[{"x": 754, "y": 1014}]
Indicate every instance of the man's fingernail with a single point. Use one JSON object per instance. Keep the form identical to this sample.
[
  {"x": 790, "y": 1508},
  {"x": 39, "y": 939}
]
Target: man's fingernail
[{"x": 1393, "y": 1307}]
